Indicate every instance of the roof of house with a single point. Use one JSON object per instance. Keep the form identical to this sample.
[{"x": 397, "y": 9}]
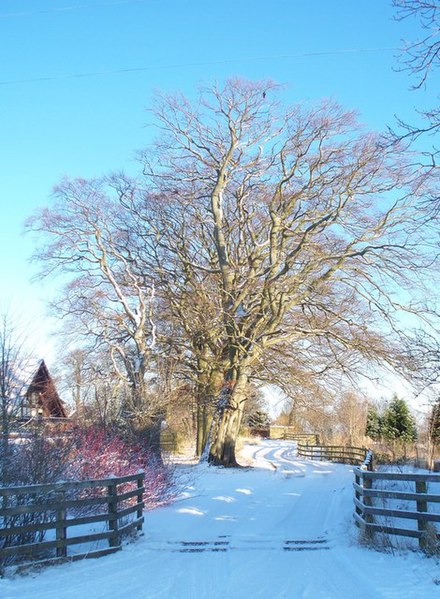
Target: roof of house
[{"x": 43, "y": 387}]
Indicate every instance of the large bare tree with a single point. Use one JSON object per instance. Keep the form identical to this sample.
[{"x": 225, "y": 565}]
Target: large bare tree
[
  {"x": 270, "y": 236},
  {"x": 107, "y": 303},
  {"x": 298, "y": 227}
]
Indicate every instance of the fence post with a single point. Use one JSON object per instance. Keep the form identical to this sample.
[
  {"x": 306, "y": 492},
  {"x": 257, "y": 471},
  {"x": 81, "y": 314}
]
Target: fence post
[
  {"x": 113, "y": 515},
  {"x": 61, "y": 529},
  {"x": 140, "y": 500},
  {"x": 368, "y": 502},
  {"x": 422, "y": 506},
  {"x": 357, "y": 479}
]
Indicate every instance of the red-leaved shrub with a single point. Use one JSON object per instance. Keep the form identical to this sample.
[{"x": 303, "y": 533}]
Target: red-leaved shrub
[
  {"x": 97, "y": 453},
  {"x": 84, "y": 454}
]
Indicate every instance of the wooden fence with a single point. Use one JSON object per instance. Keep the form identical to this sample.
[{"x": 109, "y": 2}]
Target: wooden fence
[
  {"x": 37, "y": 521},
  {"x": 302, "y": 437},
  {"x": 335, "y": 453},
  {"x": 374, "y": 514}
]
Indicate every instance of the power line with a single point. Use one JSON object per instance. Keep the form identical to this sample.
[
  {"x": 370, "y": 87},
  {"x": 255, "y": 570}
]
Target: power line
[
  {"x": 195, "y": 64},
  {"x": 69, "y": 8}
]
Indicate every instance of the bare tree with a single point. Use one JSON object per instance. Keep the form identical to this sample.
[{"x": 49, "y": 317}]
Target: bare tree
[
  {"x": 269, "y": 236},
  {"x": 298, "y": 228},
  {"x": 109, "y": 304},
  {"x": 98, "y": 394},
  {"x": 14, "y": 374},
  {"x": 351, "y": 417},
  {"x": 421, "y": 58}
]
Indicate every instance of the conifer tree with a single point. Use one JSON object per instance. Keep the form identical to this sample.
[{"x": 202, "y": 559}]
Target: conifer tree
[
  {"x": 434, "y": 423},
  {"x": 398, "y": 424},
  {"x": 373, "y": 427},
  {"x": 259, "y": 419}
]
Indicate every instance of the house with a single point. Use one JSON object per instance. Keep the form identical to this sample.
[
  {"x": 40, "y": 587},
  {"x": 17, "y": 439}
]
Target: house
[{"x": 42, "y": 398}]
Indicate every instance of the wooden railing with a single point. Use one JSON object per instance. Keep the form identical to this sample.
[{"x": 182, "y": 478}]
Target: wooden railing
[
  {"x": 374, "y": 511},
  {"x": 37, "y": 521},
  {"x": 302, "y": 437},
  {"x": 334, "y": 453},
  {"x": 367, "y": 464}
]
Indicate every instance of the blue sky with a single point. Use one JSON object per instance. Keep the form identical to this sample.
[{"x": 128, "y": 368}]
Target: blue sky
[{"x": 57, "y": 120}]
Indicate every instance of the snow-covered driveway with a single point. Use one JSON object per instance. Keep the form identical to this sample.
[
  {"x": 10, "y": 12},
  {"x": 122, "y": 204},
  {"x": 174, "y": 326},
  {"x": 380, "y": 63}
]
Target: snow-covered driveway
[{"x": 281, "y": 529}]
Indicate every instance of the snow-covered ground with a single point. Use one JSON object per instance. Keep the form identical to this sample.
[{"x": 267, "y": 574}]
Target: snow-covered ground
[{"x": 281, "y": 529}]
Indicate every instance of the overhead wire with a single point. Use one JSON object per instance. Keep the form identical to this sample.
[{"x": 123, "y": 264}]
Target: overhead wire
[
  {"x": 69, "y": 8},
  {"x": 194, "y": 64}
]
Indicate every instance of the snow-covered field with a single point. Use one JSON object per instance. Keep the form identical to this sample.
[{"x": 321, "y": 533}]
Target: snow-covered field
[{"x": 281, "y": 529}]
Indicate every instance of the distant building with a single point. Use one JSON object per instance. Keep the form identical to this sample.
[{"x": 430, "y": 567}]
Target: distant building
[{"x": 42, "y": 398}]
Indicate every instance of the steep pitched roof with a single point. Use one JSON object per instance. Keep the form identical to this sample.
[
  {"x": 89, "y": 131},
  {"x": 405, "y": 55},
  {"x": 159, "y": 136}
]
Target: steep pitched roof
[{"x": 42, "y": 392}]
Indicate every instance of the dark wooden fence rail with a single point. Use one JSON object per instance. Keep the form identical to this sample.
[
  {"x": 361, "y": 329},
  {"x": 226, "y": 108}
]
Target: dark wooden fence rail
[
  {"x": 370, "y": 504},
  {"x": 334, "y": 453},
  {"x": 30, "y": 514},
  {"x": 302, "y": 437}
]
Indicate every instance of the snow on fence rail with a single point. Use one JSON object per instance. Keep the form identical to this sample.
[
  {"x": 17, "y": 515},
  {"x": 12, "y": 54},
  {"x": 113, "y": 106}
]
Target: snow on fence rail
[
  {"x": 380, "y": 509},
  {"x": 30, "y": 514},
  {"x": 335, "y": 453}
]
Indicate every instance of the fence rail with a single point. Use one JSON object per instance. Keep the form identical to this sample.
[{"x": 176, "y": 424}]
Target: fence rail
[
  {"x": 304, "y": 437},
  {"x": 367, "y": 509},
  {"x": 335, "y": 453},
  {"x": 37, "y": 522}
]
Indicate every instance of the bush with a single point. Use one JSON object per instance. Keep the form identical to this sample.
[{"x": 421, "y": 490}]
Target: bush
[
  {"x": 92, "y": 453},
  {"x": 32, "y": 459},
  {"x": 39, "y": 460},
  {"x": 88, "y": 453},
  {"x": 100, "y": 453}
]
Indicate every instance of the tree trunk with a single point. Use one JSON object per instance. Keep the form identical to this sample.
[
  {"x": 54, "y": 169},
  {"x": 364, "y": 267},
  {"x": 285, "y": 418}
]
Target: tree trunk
[
  {"x": 208, "y": 389},
  {"x": 200, "y": 428},
  {"x": 204, "y": 421},
  {"x": 229, "y": 415}
]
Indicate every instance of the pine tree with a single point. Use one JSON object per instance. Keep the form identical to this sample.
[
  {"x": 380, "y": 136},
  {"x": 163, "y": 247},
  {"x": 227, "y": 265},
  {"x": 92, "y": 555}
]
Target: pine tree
[
  {"x": 373, "y": 427},
  {"x": 398, "y": 424},
  {"x": 259, "y": 419}
]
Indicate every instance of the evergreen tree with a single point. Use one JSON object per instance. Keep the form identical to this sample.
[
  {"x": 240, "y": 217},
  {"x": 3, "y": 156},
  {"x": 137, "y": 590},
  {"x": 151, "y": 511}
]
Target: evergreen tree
[
  {"x": 373, "y": 427},
  {"x": 259, "y": 419},
  {"x": 398, "y": 423},
  {"x": 434, "y": 423}
]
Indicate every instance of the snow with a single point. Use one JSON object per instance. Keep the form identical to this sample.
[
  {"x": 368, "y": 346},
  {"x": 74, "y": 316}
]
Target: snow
[{"x": 283, "y": 529}]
